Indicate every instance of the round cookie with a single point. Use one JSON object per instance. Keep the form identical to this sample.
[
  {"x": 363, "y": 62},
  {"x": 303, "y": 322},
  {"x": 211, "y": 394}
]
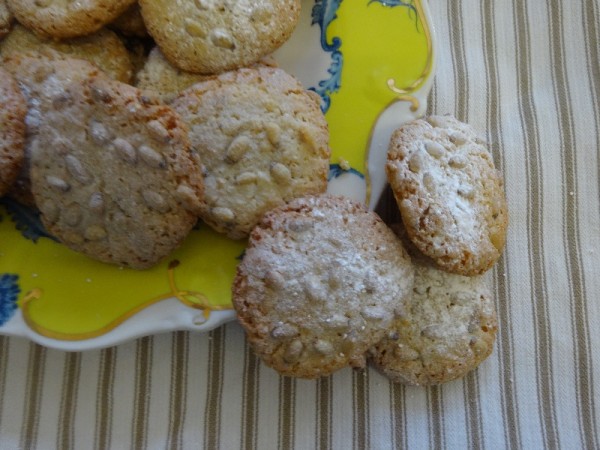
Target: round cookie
[
  {"x": 445, "y": 329},
  {"x": 319, "y": 285},
  {"x": 103, "y": 49},
  {"x": 207, "y": 37},
  {"x": 6, "y": 19},
  {"x": 164, "y": 79},
  {"x": 111, "y": 171},
  {"x": 263, "y": 140},
  {"x": 63, "y": 19},
  {"x": 450, "y": 195},
  {"x": 13, "y": 109}
]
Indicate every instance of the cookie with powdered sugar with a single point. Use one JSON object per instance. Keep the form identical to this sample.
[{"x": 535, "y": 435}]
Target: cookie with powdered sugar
[
  {"x": 205, "y": 36},
  {"x": 111, "y": 170},
  {"x": 62, "y": 19},
  {"x": 103, "y": 48},
  {"x": 319, "y": 284},
  {"x": 13, "y": 109},
  {"x": 444, "y": 329},
  {"x": 450, "y": 195},
  {"x": 263, "y": 140}
]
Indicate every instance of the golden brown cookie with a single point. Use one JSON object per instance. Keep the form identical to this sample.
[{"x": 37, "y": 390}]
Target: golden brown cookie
[
  {"x": 262, "y": 139},
  {"x": 450, "y": 195},
  {"x": 319, "y": 284},
  {"x": 103, "y": 48},
  {"x": 208, "y": 37},
  {"x": 13, "y": 109},
  {"x": 63, "y": 19}
]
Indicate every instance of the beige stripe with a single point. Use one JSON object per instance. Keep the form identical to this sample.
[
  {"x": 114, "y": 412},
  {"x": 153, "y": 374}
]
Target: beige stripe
[
  {"x": 584, "y": 380},
  {"x": 458, "y": 60},
  {"x": 361, "y": 430},
  {"x": 473, "y": 410},
  {"x": 142, "y": 391},
  {"x": 104, "y": 398},
  {"x": 212, "y": 413},
  {"x": 250, "y": 399},
  {"x": 505, "y": 350},
  {"x": 178, "y": 403},
  {"x": 68, "y": 404},
  {"x": 398, "y": 414},
  {"x": 535, "y": 180},
  {"x": 324, "y": 412},
  {"x": 436, "y": 417},
  {"x": 33, "y": 396},
  {"x": 287, "y": 404},
  {"x": 461, "y": 87}
]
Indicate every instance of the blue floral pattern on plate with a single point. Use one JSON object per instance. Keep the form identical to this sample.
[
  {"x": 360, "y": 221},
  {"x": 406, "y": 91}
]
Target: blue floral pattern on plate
[
  {"x": 26, "y": 220},
  {"x": 9, "y": 292},
  {"x": 323, "y": 13}
]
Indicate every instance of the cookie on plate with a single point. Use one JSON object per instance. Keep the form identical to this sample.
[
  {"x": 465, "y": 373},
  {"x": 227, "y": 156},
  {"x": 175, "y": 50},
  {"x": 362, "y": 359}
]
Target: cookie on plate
[
  {"x": 450, "y": 195},
  {"x": 208, "y": 37},
  {"x": 445, "y": 329},
  {"x": 22, "y": 66},
  {"x": 103, "y": 48},
  {"x": 63, "y": 19},
  {"x": 6, "y": 19},
  {"x": 263, "y": 140},
  {"x": 162, "y": 78},
  {"x": 13, "y": 109},
  {"x": 319, "y": 284},
  {"x": 111, "y": 170}
]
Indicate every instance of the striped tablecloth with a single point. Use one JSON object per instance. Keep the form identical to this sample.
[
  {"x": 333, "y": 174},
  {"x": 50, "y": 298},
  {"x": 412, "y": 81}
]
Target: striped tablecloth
[{"x": 526, "y": 73}]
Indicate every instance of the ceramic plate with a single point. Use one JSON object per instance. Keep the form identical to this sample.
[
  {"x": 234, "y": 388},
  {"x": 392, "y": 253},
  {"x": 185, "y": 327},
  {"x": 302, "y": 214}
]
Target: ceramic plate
[{"x": 372, "y": 63}]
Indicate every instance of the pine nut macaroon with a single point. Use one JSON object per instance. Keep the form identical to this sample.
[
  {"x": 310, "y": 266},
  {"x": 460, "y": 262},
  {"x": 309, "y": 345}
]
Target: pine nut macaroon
[
  {"x": 319, "y": 285},
  {"x": 444, "y": 329},
  {"x": 207, "y": 36},
  {"x": 450, "y": 195},
  {"x": 111, "y": 170},
  {"x": 63, "y": 19},
  {"x": 263, "y": 140}
]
